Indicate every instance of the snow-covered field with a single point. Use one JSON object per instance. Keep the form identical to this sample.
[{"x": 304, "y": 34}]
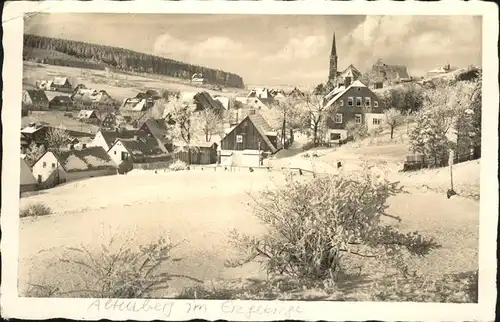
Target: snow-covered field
[
  {"x": 131, "y": 84},
  {"x": 200, "y": 207}
]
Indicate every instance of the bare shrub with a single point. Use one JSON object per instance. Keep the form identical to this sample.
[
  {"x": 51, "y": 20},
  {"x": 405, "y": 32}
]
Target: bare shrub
[
  {"x": 125, "y": 272},
  {"x": 35, "y": 210},
  {"x": 178, "y": 165},
  {"x": 316, "y": 227}
]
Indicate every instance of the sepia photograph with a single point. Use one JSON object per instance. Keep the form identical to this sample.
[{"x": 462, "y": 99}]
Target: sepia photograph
[{"x": 279, "y": 158}]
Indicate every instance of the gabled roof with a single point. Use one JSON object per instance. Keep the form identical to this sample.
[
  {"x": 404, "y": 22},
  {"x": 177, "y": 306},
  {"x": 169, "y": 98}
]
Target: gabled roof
[
  {"x": 356, "y": 83},
  {"x": 89, "y": 159},
  {"x": 111, "y": 136},
  {"x": 207, "y": 102},
  {"x": 157, "y": 128},
  {"x": 351, "y": 71},
  {"x": 37, "y": 96},
  {"x": 296, "y": 93},
  {"x": 262, "y": 127},
  {"x": 62, "y": 99},
  {"x": 142, "y": 147},
  {"x": 134, "y": 104},
  {"x": 60, "y": 80},
  {"x": 86, "y": 114},
  {"x": 335, "y": 91}
]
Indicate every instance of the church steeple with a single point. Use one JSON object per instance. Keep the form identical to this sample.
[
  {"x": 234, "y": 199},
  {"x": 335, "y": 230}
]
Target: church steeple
[
  {"x": 334, "y": 47},
  {"x": 333, "y": 62}
]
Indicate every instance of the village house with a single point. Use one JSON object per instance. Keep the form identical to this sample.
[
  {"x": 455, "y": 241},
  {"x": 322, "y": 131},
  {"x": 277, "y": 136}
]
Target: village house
[
  {"x": 198, "y": 101},
  {"x": 138, "y": 150},
  {"x": 62, "y": 84},
  {"x": 35, "y": 99},
  {"x": 197, "y": 79},
  {"x": 133, "y": 108},
  {"x": 53, "y": 168},
  {"x": 88, "y": 116},
  {"x": 149, "y": 94},
  {"x": 355, "y": 103},
  {"x": 440, "y": 71},
  {"x": 106, "y": 139},
  {"x": 61, "y": 102},
  {"x": 225, "y": 101},
  {"x": 157, "y": 129},
  {"x": 93, "y": 98},
  {"x": 247, "y": 143},
  {"x": 390, "y": 74},
  {"x": 201, "y": 152},
  {"x": 296, "y": 93},
  {"x": 36, "y": 132},
  {"x": 27, "y": 180}
]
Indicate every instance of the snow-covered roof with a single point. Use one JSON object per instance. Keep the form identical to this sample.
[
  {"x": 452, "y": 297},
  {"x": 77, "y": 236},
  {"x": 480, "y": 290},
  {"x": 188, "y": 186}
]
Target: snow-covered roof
[
  {"x": 355, "y": 84},
  {"x": 85, "y": 114},
  {"x": 60, "y": 80}
]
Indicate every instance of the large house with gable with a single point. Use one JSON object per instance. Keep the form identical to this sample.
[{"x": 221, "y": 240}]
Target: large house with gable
[
  {"x": 247, "y": 143},
  {"x": 356, "y": 103}
]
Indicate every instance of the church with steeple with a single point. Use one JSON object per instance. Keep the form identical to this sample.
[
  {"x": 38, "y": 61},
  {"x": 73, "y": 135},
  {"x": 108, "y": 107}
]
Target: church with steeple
[{"x": 344, "y": 78}]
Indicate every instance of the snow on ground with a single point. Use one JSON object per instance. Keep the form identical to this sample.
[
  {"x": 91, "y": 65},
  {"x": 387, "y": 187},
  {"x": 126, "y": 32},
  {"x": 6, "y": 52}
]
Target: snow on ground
[{"x": 200, "y": 208}]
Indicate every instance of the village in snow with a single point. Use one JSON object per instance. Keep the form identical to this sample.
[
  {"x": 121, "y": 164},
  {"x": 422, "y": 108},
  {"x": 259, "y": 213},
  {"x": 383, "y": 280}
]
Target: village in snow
[{"x": 222, "y": 190}]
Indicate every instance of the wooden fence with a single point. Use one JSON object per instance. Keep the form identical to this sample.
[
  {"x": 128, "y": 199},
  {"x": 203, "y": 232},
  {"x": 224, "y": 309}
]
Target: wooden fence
[{"x": 422, "y": 163}]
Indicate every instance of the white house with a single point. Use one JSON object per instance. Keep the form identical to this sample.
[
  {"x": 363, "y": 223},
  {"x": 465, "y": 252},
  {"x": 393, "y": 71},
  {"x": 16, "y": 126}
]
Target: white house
[
  {"x": 54, "y": 167},
  {"x": 27, "y": 180},
  {"x": 140, "y": 150}
]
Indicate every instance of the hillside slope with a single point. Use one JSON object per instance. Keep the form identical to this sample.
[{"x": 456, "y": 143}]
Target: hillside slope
[{"x": 86, "y": 55}]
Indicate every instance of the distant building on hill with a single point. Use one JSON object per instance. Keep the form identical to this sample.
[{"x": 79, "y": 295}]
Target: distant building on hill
[
  {"x": 440, "y": 71},
  {"x": 197, "y": 79},
  {"x": 390, "y": 73}
]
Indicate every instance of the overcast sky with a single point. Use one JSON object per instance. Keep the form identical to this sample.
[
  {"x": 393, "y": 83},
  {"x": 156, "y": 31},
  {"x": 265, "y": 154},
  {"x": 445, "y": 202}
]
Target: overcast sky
[{"x": 275, "y": 49}]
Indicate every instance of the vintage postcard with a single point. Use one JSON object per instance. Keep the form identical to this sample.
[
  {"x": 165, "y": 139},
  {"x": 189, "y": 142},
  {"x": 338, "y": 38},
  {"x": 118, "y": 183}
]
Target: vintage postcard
[{"x": 249, "y": 161}]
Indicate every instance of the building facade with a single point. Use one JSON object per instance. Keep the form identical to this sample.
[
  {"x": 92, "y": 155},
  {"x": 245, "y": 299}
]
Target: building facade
[{"x": 357, "y": 104}]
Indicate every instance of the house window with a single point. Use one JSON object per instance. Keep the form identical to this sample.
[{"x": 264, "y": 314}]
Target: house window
[
  {"x": 338, "y": 118},
  {"x": 334, "y": 136},
  {"x": 239, "y": 138},
  {"x": 341, "y": 103},
  {"x": 359, "y": 101},
  {"x": 350, "y": 101},
  {"x": 44, "y": 164},
  {"x": 53, "y": 165},
  {"x": 124, "y": 156},
  {"x": 377, "y": 121},
  {"x": 114, "y": 152},
  {"x": 368, "y": 101},
  {"x": 357, "y": 118},
  {"x": 39, "y": 178},
  {"x": 84, "y": 145},
  {"x": 375, "y": 103}
]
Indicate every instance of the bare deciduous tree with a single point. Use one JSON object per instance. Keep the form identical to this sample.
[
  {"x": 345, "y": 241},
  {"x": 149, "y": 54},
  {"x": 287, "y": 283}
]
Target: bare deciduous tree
[
  {"x": 57, "y": 138},
  {"x": 209, "y": 121},
  {"x": 393, "y": 119},
  {"x": 318, "y": 112}
]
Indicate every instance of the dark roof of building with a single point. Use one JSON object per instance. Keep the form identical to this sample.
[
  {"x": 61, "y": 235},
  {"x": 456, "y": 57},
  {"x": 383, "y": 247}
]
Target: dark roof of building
[
  {"x": 62, "y": 99},
  {"x": 89, "y": 159},
  {"x": 143, "y": 147},
  {"x": 111, "y": 136},
  {"x": 37, "y": 96},
  {"x": 207, "y": 102},
  {"x": 262, "y": 127}
]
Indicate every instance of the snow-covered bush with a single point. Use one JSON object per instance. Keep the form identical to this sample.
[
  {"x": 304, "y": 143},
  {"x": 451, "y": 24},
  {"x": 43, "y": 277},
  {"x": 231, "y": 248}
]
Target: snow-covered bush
[
  {"x": 317, "y": 227},
  {"x": 35, "y": 210},
  {"x": 116, "y": 271},
  {"x": 178, "y": 165}
]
